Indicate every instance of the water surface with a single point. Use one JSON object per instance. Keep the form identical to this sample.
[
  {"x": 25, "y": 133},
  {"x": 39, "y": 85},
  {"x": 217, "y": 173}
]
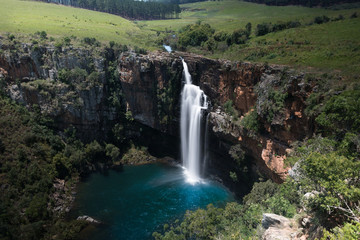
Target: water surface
[{"x": 134, "y": 203}]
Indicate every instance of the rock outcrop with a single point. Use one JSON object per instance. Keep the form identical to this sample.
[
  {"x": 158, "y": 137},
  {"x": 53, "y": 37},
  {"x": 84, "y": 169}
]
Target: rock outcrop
[
  {"x": 88, "y": 219},
  {"x": 280, "y": 228},
  {"x": 33, "y": 78}
]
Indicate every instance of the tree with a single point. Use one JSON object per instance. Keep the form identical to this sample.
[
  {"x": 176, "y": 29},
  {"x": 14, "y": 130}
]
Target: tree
[
  {"x": 337, "y": 180},
  {"x": 248, "y": 29}
]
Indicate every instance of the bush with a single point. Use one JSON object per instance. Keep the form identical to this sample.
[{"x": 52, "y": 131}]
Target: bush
[
  {"x": 194, "y": 34},
  {"x": 279, "y": 205},
  {"x": 347, "y": 232},
  {"x": 336, "y": 177},
  {"x": 91, "y": 41},
  {"x": 250, "y": 121},
  {"x": 112, "y": 152},
  {"x": 77, "y": 75},
  {"x": 43, "y": 35},
  {"x": 263, "y": 29},
  {"x": 67, "y": 41},
  {"x": 230, "y": 110},
  {"x": 321, "y": 19},
  {"x": 340, "y": 113},
  {"x": 94, "y": 152},
  {"x": 11, "y": 37},
  {"x": 220, "y": 36},
  {"x": 260, "y": 192}
]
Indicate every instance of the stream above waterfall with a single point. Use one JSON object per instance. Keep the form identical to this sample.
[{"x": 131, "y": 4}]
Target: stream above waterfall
[{"x": 137, "y": 201}]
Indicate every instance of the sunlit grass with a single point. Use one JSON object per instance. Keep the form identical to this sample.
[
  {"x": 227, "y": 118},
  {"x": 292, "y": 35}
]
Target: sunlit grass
[
  {"x": 57, "y": 20},
  {"x": 228, "y": 15}
]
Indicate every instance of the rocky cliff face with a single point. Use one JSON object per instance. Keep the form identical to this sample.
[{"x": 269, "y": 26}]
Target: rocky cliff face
[
  {"x": 150, "y": 88},
  {"x": 276, "y": 94},
  {"x": 35, "y": 76}
]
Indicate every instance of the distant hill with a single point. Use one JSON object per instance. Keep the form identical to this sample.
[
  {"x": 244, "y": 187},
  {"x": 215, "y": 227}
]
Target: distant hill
[{"x": 308, "y": 3}]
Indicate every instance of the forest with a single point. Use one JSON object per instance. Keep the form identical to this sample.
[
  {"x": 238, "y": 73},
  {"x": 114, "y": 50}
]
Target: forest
[{"x": 128, "y": 8}]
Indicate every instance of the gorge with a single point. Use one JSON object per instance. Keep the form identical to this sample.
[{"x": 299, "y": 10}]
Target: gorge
[{"x": 137, "y": 98}]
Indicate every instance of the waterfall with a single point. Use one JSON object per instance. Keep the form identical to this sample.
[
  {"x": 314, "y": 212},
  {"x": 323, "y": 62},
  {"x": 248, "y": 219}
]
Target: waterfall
[{"x": 193, "y": 104}]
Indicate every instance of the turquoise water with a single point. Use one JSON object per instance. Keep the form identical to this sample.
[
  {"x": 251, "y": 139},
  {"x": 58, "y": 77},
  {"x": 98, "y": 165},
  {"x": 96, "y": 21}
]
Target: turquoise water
[{"x": 137, "y": 201}]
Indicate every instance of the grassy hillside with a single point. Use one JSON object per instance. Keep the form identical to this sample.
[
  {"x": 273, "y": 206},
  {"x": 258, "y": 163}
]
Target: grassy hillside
[
  {"x": 332, "y": 46},
  {"x": 228, "y": 15},
  {"x": 28, "y": 17}
]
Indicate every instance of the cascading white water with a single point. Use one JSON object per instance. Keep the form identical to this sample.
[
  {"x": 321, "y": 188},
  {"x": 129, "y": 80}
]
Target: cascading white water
[{"x": 193, "y": 104}]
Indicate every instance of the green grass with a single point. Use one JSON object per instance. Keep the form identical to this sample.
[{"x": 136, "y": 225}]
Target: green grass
[
  {"x": 28, "y": 17},
  {"x": 332, "y": 46},
  {"x": 228, "y": 15}
]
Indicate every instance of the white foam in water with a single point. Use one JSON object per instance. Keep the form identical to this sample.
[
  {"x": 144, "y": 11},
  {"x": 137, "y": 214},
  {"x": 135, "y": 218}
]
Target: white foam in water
[
  {"x": 193, "y": 104},
  {"x": 168, "y": 48}
]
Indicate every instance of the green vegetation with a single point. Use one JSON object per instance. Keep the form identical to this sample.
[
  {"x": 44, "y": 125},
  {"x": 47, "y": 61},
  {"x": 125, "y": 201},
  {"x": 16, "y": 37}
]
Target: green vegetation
[
  {"x": 235, "y": 221},
  {"x": 129, "y": 8},
  {"x": 32, "y": 157},
  {"x": 250, "y": 121},
  {"x": 137, "y": 155},
  {"x": 230, "y": 110},
  {"x": 308, "y": 3},
  {"x": 348, "y": 231},
  {"x": 194, "y": 35},
  {"x": 330, "y": 46},
  {"x": 58, "y": 21},
  {"x": 229, "y": 15}
]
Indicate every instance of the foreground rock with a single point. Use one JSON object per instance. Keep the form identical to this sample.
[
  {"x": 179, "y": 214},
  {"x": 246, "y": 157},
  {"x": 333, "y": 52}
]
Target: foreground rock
[
  {"x": 280, "y": 228},
  {"x": 88, "y": 219}
]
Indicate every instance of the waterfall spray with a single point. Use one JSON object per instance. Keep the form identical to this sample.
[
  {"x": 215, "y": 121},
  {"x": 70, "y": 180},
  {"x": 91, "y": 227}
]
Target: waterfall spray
[{"x": 193, "y": 104}]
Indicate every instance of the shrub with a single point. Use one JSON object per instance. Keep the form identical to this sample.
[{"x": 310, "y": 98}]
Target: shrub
[
  {"x": 321, "y": 19},
  {"x": 195, "y": 34},
  {"x": 220, "y": 36},
  {"x": 112, "y": 152},
  {"x": 91, "y": 41},
  {"x": 340, "y": 113},
  {"x": 11, "y": 37},
  {"x": 348, "y": 231},
  {"x": 250, "y": 121},
  {"x": 67, "y": 41},
  {"x": 43, "y": 35},
  {"x": 263, "y": 29},
  {"x": 229, "y": 109},
  {"x": 336, "y": 177}
]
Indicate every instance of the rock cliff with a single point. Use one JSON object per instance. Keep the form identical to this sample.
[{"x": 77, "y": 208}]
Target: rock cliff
[
  {"x": 250, "y": 87},
  {"x": 149, "y": 91},
  {"x": 68, "y": 84}
]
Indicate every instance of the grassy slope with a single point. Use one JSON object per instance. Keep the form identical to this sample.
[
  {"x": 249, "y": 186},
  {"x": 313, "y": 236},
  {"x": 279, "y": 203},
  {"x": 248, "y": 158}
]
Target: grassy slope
[
  {"x": 29, "y": 17},
  {"x": 228, "y": 15},
  {"x": 331, "y": 46}
]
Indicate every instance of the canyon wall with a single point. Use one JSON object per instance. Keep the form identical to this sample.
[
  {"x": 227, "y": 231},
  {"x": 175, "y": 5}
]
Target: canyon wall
[
  {"x": 149, "y": 91},
  {"x": 142, "y": 78},
  {"x": 32, "y": 77}
]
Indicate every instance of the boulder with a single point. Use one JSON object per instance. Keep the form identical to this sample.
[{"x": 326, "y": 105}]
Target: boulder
[
  {"x": 270, "y": 220},
  {"x": 280, "y": 228},
  {"x": 88, "y": 219}
]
